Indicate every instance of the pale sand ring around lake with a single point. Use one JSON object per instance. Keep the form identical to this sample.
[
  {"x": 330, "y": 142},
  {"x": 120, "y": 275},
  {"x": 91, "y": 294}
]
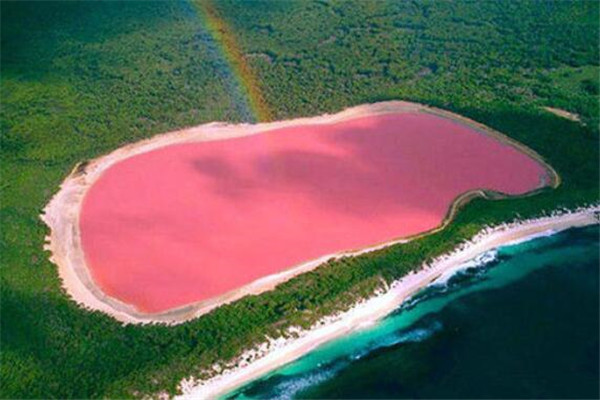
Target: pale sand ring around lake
[{"x": 64, "y": 211}]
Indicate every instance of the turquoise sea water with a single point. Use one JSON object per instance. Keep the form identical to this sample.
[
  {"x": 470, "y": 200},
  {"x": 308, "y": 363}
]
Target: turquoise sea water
[{"x": 523, "y": 324}]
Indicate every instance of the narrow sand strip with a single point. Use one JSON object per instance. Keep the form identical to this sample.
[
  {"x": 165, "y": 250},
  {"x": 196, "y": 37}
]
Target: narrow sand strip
[
  {"x": 275, "y": 353},
  {"x": 63, "y": 212},
  {"x": 564, "y": 114}
]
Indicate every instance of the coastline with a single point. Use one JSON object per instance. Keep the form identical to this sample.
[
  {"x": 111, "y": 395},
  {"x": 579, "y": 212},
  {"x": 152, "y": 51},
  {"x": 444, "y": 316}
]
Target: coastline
[
  {"x": 276, "y": 353},
  {"x": 62, "y": 212}
]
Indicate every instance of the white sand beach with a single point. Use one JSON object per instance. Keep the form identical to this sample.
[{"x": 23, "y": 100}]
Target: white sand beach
[{"x": 275, "y": 353}]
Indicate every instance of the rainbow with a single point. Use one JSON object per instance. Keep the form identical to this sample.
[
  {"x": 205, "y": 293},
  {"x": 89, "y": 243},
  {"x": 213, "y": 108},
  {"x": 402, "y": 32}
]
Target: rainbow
[{"x": 247, "y": 80}]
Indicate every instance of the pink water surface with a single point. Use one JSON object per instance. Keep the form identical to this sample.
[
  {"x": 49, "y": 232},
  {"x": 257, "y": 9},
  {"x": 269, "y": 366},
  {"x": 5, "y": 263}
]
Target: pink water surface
[{"x": 189, "y": 222}]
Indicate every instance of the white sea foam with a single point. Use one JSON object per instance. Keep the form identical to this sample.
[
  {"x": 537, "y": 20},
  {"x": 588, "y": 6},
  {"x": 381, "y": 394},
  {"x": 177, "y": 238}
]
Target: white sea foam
[
  {"x": 477, "y": 262},
  {"x": 420, "y": 333},
  {"x": 288, "y": 388},
  {"x": 546, "y": 233}
]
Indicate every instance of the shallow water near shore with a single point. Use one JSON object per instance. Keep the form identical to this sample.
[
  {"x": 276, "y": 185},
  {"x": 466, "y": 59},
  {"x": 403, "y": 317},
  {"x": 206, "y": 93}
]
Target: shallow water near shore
[{"x": 521, "y": 321}]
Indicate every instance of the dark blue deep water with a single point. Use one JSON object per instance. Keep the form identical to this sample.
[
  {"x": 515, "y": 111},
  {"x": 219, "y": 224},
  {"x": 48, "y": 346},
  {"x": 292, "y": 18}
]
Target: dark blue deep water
[{"x": 524, "y": 325}]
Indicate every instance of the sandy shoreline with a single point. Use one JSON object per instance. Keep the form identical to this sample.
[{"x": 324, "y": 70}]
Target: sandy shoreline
[
  {"x": 62, "y": 213},
  {"x": 275, "y": 353}
]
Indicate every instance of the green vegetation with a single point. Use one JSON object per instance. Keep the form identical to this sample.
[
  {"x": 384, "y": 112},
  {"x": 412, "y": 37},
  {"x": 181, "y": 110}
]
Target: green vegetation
[
  {"x": 82, "y": 78},
  {"x": 454, "y": 54}
]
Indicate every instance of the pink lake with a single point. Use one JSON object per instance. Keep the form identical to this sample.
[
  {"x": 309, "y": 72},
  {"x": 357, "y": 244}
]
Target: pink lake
[{"x": 189, "y": 222}]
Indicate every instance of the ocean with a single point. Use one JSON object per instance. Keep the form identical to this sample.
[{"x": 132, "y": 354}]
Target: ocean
[{"x": 519, "y": 322}]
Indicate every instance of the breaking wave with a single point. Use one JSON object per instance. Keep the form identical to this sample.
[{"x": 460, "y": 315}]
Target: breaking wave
[
  {"x": 283, "y": 388},
  {"x": 485, "y": 259},
  {"x": 467, "y": 273},
  {"x": 288, "y": 386},
  {"x": 410, "y": 335}
]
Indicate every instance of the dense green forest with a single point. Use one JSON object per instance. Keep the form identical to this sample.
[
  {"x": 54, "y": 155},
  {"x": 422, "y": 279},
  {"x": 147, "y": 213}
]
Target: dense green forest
[{"x": 79, "y": 79}]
